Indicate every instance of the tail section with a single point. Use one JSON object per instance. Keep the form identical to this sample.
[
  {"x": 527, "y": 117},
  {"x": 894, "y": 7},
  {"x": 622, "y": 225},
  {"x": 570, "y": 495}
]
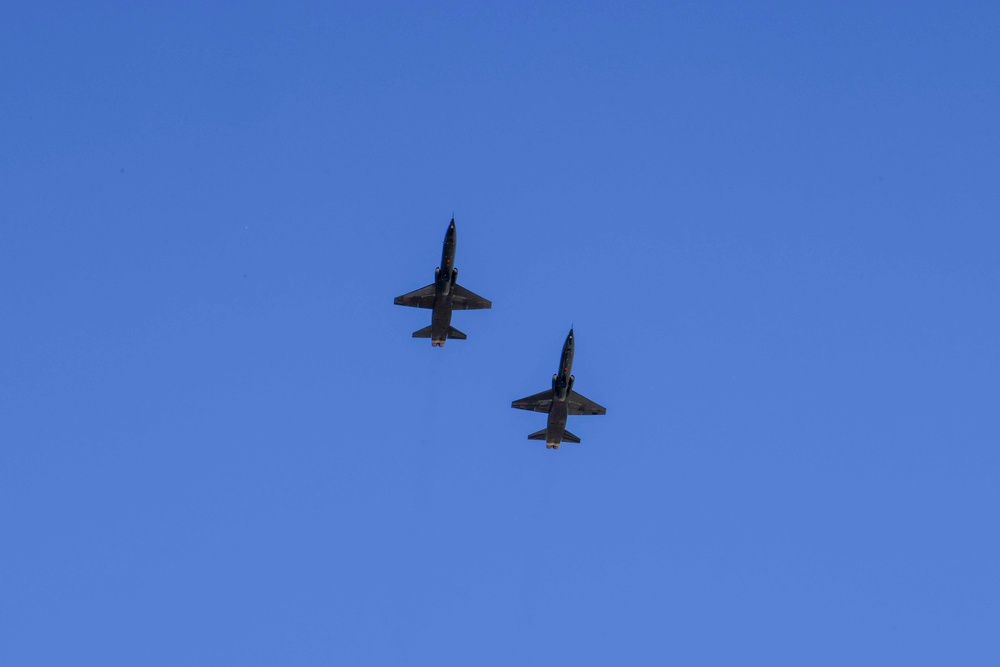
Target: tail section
[
  {"x": 427, "y": 332},
  {"x": 540, "y": 435},
  {"x": 550, "y": 444}
]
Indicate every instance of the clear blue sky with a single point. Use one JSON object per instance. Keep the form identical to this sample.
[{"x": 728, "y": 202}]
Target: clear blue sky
[{"x": 775, "y": 229}]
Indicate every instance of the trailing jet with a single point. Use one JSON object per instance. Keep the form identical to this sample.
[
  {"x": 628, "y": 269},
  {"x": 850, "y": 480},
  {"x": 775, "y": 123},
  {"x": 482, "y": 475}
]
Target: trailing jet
[
  {"x": 443, "y": 296},
  {"x": 559, "y": 402}
]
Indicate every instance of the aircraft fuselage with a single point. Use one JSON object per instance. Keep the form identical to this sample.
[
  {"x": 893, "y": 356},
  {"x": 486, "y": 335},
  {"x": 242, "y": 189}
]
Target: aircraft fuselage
[
  {"x": 445, "y": 276},
  {"x": 562, "y": 384}
]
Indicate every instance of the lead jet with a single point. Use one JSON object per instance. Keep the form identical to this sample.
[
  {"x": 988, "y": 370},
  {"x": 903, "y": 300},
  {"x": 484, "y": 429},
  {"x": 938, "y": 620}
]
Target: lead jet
[
  {"x": 443, "y": 296},
  {"x": 559, "y": 402}
]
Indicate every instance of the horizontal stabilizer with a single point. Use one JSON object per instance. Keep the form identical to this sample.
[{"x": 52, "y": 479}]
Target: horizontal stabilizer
[
  {"x": 569, "y": 437},
  {"x": 423, "y": 333},
  {"x": 455, "y": 333},
  {"x": 537, "y": 435}
]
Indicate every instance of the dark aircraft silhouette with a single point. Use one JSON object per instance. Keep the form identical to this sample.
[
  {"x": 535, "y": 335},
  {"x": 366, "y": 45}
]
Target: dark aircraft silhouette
[
  {"x": 559, "y": 402},
  {"x": 443, "y": 296}
]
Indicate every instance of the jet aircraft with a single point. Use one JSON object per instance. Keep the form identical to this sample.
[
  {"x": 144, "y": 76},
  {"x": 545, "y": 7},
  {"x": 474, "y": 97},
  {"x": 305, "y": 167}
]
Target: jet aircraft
[
  {"x": 559, "y": 402},
  {"x": 443, "y": 296}
]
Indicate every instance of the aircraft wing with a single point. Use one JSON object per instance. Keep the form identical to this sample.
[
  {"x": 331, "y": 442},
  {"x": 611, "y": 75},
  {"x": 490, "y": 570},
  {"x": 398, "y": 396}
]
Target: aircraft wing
[
  {"x": 463, "y": 299},
  {"x": 421, "y": 298},
  {"x": 579, "y": 405},
  {"x": 540, "y": 402}
]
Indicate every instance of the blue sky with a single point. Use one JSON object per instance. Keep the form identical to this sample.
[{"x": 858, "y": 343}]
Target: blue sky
[{"x": 774, "y": 229}]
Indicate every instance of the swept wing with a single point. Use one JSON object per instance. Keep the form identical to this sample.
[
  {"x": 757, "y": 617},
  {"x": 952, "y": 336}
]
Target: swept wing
[
  {"x": 463, "y": 299},
  {"x": 540, "y": 402},
  {"x": 421, "y": 298},
  {"x": 580, "y": 405}
]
